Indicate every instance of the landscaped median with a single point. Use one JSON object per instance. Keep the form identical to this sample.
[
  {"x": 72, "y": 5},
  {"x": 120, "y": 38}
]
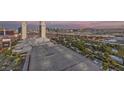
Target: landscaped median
[
  {"x": 10, "y": 61},
  {"x": 95, "y": 50},
  {"x": 13, "y": 58}
]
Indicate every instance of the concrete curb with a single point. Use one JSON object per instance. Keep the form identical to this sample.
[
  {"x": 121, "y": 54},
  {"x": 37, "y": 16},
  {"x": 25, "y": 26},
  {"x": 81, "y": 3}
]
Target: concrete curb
[{"x": 27, "y": 62}]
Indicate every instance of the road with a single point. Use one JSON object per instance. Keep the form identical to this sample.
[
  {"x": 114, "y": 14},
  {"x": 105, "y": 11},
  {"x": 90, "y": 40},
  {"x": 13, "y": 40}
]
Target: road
[{"x": 58, "y": 58}]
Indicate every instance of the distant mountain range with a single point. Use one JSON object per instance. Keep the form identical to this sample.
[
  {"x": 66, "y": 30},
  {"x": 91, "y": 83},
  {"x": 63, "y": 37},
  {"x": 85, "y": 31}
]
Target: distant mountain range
[{"x": 66, "y": 24}]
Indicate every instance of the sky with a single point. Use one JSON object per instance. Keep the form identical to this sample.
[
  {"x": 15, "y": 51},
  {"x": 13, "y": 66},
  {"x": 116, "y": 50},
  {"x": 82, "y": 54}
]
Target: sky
[{"x": 66, "y": 24}]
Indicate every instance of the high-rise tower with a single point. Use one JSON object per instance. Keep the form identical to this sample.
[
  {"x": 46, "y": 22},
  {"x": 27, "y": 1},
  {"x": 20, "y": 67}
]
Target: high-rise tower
[
  {"x": 24, "y": 30},
  {"x": 42, "y": 29}
]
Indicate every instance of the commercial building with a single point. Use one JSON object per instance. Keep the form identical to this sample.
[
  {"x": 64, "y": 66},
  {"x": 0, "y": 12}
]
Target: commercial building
[{"x": 7, "y": 37}]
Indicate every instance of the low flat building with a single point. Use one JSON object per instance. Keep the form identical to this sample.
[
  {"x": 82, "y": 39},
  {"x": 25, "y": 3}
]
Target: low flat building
[
  {"x": 7, "y": 37},
  {"x": 6, "y": 42}
]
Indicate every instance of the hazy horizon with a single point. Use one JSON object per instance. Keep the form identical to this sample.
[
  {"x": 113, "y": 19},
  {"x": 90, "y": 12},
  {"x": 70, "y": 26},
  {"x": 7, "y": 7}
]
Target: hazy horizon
[{"x": 66, "y": 24}]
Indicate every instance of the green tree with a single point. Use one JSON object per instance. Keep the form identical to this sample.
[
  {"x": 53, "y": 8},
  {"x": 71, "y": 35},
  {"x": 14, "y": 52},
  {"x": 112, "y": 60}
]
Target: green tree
[{"x": 106, "y": 61}]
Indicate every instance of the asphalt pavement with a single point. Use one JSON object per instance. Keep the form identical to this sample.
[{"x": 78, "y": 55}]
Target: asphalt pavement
[{"x": 58, "y": 58}]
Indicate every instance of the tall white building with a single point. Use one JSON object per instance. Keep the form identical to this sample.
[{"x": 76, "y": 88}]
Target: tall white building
[
  {"x": 24, "y": 30},
  {"x": 42, "y": 29}
]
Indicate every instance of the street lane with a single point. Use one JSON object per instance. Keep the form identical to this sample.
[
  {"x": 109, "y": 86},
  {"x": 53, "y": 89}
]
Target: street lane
[{"x": 58, "y": 58}]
